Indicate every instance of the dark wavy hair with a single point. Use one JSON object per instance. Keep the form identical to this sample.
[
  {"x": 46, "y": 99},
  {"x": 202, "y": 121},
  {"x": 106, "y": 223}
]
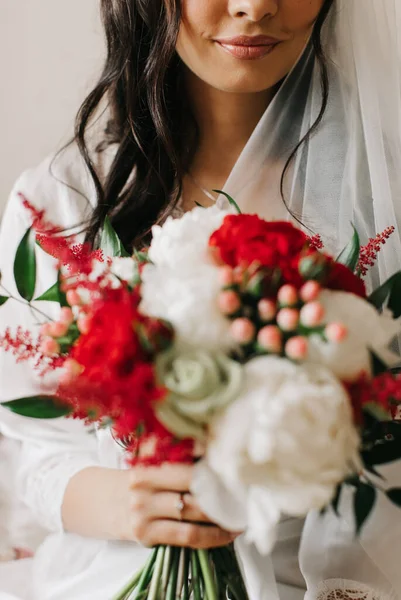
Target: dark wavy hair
[{"x": 150, "y": 117}]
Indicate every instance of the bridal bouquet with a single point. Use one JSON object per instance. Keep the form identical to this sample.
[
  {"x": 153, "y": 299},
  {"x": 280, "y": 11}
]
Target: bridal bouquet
[{"x": 231, "y": 341}]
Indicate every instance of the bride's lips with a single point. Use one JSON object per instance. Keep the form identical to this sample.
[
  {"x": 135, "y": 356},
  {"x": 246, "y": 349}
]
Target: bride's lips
[{"x": 248, "y": 47}]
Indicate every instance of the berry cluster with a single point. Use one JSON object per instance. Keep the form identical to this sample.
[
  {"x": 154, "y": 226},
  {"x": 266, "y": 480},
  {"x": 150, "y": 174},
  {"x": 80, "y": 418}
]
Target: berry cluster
[{"x": 279, "y": 324}]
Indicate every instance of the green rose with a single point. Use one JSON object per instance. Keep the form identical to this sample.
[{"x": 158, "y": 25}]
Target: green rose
[{"x": 200, "y": 385}]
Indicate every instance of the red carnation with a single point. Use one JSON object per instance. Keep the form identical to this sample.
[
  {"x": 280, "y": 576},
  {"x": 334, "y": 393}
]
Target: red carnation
[
  {"x": 244, "y": 240},
  {"x": 342, "y": 278}
]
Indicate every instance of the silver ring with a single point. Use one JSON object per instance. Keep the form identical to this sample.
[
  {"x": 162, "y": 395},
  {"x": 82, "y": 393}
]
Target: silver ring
[{"x": 180, "y": 505}]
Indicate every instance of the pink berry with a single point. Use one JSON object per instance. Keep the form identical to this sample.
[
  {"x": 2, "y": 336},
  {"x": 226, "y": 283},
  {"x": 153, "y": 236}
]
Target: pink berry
[
  {"x": 229, "y": 302},
  {"x": 336, "y": 332},
  {"x": 287, "y": 295},
  {"x": 297, "y": 348},
  {"x": 226, "y": 276},
  {"x": 66, "y": 316},
  {"x": 49, "y": 347},
  {"x": 73, "y": 298},
  {"x": 310, "y": 291},
  {"x": 312, "y": 314},
  {"x": 238, "y": 275},
  {"x": 270, "y": 339},
  {"x": 45, "y": 330},
  {"x": 58, "y": 329},
  {"x": 267, "y": 310},
  {"x": 288, "y": 319},
  {"x": 84, "y": 324},
  {"x": 243, "y": 331},
  {"x": 71, "y": 370}
]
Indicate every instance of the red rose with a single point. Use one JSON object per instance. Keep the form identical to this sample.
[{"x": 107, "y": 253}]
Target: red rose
[{"x": 246, "y": 239}]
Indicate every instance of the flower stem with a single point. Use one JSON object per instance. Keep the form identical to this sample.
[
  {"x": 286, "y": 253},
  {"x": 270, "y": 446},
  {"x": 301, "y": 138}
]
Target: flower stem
[
  {"x": 146, "y": 574},
  {"x": 172, "y": 584},
  {"x": 208, "y": 577},
  {"x": 168, "y": 556},
  {"x": 195, "y": 575},
  {"x": 131, "y": 585},
  {"x": 181, "y": 573},
  {"x": 156, "y": 578},
  {"x": 185, "y": 587}
]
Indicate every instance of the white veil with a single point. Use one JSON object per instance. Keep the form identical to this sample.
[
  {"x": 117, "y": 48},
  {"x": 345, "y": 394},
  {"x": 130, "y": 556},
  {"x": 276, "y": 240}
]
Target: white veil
[{"x": 350, "y": 169}]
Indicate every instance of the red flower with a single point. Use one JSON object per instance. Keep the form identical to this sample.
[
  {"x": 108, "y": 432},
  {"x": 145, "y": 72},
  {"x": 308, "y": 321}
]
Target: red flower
[
  {"x": 244, "y": 240},
  {"x": 117, "y": 380},
  {"x": 384, "y": 391},
  {"x": 341, "y": 278}
]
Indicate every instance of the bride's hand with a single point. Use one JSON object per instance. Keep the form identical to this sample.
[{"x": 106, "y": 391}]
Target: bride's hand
[{"x": 162, "y": 510}]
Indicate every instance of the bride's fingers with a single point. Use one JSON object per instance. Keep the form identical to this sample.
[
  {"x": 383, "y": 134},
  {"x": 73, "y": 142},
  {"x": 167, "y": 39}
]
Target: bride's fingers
[
  {"x": 187, "y": 535},
  {"x": 179, "y": 507},
  {"x": 167, "y": 477}
]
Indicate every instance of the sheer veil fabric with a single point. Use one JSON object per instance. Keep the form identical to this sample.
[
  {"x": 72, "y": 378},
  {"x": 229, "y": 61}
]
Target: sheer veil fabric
[{"x": 349, "y": 170}]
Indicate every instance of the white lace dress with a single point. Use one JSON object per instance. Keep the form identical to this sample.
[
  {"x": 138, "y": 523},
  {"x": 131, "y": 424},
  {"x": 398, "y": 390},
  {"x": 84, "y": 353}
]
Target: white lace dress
[{"x": 322, "y": 559}]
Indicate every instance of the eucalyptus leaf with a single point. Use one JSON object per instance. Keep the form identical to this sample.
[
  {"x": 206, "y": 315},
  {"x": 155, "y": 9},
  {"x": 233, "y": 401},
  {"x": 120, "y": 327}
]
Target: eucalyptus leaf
[
  {"x": 3, "y": 300},
  {"x": 389, "y": 295},
  {"x": 38, "y": 407},
  {"x": 350, "y": 255},
  {"x": 110, "y": 243},
  {"x": 394, "y": 495},
  {"x": 230, "y": 199},
  {"x": 25, "y": 265},
  {"x": 364, "y": 501}
]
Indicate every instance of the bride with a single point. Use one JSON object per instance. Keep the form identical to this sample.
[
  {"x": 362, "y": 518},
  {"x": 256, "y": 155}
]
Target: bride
[{"x": 291, "y": 106}]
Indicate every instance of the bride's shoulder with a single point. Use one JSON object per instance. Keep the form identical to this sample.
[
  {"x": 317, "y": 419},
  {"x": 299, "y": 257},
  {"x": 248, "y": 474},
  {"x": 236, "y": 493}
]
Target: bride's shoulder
[{"x": 61, "y": 185}]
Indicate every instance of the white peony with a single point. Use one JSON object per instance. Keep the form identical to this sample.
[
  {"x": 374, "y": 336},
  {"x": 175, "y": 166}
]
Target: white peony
[
  {"x": 189, "y": 301},
  {"x": 125, "y": 268},
  {"x": 282, "y": 447},
  {"x": 183, "y": 243},
  {"x": 367, "y": 331}
]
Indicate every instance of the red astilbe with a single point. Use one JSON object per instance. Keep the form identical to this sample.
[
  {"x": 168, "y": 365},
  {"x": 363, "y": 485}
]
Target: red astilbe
[
  {"x": 77, "y": 257},
  {"x": 368, "y": 253},
  {"x": 24, "y": 347},
  {"x": 39, "y": 222},
  {"x": 315, "y": 242}
]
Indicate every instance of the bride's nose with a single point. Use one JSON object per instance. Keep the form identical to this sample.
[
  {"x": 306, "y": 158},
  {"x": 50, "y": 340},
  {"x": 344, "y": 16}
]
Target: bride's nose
[{"x": 253, "y": 10}]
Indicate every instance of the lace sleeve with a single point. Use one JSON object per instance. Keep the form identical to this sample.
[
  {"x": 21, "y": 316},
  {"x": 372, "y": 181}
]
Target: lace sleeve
[{"x": 342, "y": 589}]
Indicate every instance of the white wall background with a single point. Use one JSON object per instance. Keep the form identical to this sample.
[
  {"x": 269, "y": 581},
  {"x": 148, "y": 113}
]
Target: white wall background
[{"x": 50, "y": 54}]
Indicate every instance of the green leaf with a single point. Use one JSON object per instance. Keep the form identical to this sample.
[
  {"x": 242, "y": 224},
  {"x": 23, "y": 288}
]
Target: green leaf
[
  {"x": 38, "y": 407},
  {"x": 336, "y": 500},
  {"x": 110, "y": 243},
  {"x": 25, "y": 266},
  {"x": 394, "y": 495},
  {"x": 383, "y": 453},
  {"x": 3, "y": 300},
  {"x": 199, "y": 204},
  {"x": 350, "y": 255},
  {"x": 364, "y": 501},
  {"x": 51, "y": 295},
  {"x": 231, "y": 200},
  {"x": 54, "y": 294},
  {"x": 389, "y": 294},
  {"x": 377, "y": 412}
]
